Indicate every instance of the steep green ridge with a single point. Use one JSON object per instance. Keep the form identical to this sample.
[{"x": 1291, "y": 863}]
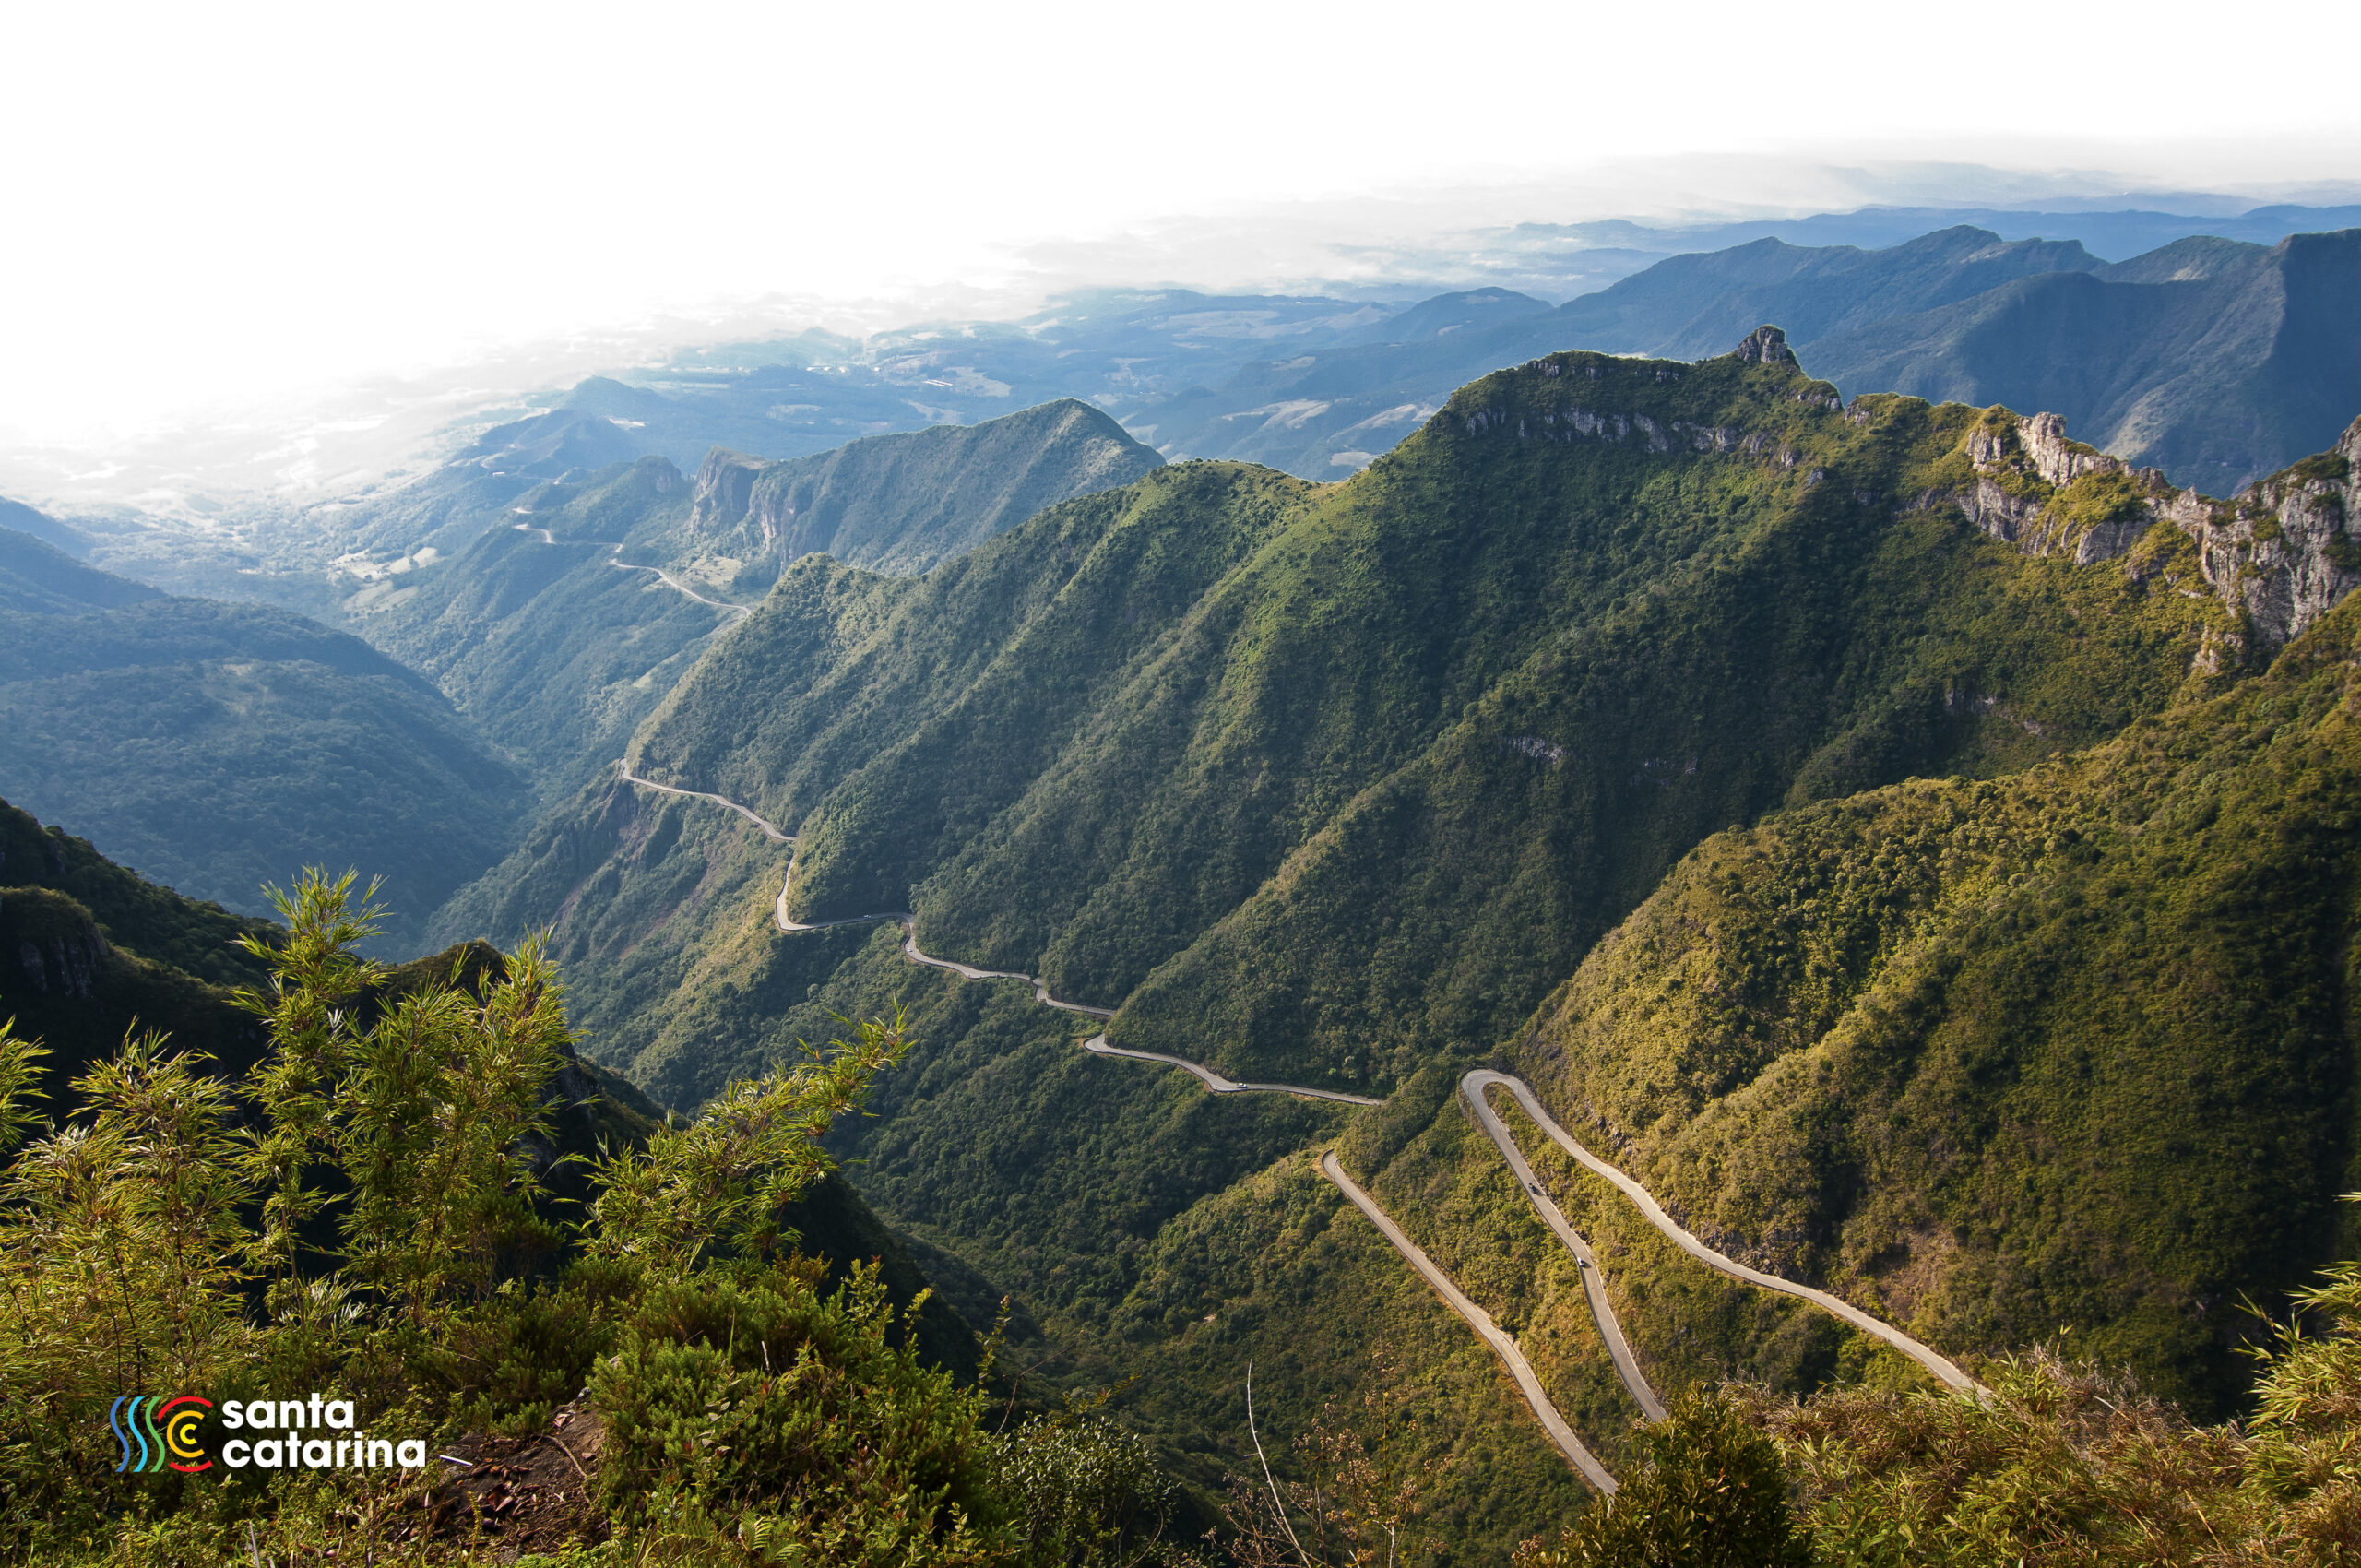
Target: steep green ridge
[
  {"x": 1498, "y": 684},
  {"x": 900, "y": 503},
  {"x": 1116, "y": 1204},
  {"x": 552, "y": 650},
  {"x": 2069, "y": 1050},
  {"x": 221, "y": 746},
  {"x": 523, "y": 619},
  {"x": 89, "y": 950}
]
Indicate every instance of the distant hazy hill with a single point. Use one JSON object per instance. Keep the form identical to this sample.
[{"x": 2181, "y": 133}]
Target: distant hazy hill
[
  {"x": 1323, "y": 414},
  {"x": 16, "y": 514},
  {"x": 902, "y": 502},
  {"x": 2214, "y": 361},
  {"x": 36, "y": 576},
  {"x": 219, "y": 746},
  {"x": 528, "y": 620}
]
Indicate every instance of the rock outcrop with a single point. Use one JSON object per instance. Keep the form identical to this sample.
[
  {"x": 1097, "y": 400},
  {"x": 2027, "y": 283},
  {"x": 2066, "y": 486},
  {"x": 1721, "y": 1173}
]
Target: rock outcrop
[
  {"x": 2281, "y": 553},
  {"x": 1766, "y": 345},
  {"x": 725, "y": 487}
]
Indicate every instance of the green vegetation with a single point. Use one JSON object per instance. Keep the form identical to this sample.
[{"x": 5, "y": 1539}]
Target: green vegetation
[
  {"x": 559, "y": 657},
  {"x": 1628, "y": 650},
  {"x": 365, "y": 1214},
  {"x": 1712, "y": 1493},
  {"x": 2064, "y": 1053},
  {"x": 2066, "y": 1464},
  {"x": 554, "y": 654},
  {"x": 1979, "y": 1025},
  {"x": 903, "y": 504}
]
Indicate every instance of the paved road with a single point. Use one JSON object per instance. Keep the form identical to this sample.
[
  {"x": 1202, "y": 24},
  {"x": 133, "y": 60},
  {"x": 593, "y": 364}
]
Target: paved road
[
  {"x": 669, "y": 581},
  {"x": 1097, "y": 1044},
  {"x": 1519, "y": 1369},
  {"x": 1474, "y": 1085},
  {"x": 1602, "y": 1310},
  {"x": 773, "y": 833}
]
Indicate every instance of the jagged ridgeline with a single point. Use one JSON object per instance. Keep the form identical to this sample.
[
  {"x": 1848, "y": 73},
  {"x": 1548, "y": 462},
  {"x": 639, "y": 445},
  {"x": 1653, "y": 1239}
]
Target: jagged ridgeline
[
  {"x": 1334, "y": 784},
  {"x": 1326, "y": 781}
]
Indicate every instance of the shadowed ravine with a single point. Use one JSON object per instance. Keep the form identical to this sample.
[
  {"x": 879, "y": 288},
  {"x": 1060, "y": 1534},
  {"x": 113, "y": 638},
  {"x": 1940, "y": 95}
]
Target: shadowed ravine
[{"x": 1472, "y": 1087}]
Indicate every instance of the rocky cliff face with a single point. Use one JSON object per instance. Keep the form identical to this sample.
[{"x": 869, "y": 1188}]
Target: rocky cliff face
[
  {"x": 725, "y": 487},
  {"x": 2281, "y": 553}
]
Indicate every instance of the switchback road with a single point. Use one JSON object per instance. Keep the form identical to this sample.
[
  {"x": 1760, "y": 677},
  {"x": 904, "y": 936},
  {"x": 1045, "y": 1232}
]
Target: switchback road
[
  {"x": 1472, "y": 1087},
  {"x": 1520, "y": 1371}
]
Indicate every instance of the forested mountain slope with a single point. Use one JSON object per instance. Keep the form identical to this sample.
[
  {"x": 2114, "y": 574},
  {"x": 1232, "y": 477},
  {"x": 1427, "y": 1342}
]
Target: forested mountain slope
[
  {"x": 221, "y": 746},
  {"x": 547, "y": 627},
  {"x": 536, "y": 634},
  {"x": 88, "y": 949},
  {"x": 2072, "y": 1049},
  {"x": 1169, "y": 748},
  {"x": 1334, "y": 784}
]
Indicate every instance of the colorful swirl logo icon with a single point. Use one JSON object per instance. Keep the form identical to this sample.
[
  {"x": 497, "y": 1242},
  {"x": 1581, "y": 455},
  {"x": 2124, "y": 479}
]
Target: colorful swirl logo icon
[{"x": 165, "y": 1430}]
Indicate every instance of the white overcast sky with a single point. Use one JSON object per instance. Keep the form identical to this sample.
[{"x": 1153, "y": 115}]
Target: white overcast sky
[{"x": 221, "y": 202}]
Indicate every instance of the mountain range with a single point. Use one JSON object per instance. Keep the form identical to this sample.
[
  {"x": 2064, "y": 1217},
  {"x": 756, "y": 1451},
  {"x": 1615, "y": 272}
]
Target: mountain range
[
  {"x": 1754, "y": 770},
  {"x": 2216, "y": 361}
]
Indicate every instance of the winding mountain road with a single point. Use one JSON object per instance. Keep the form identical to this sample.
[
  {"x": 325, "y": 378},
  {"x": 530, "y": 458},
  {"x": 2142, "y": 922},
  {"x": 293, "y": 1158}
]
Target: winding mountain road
[
  {"x": 669, "y": 581},
  {"x": 1503, "y": 1346},
  {"x": 1097, "y": 1044},
  {"x": 1602, "y": 1310},
  {"x": 1473, "y": 1088}
]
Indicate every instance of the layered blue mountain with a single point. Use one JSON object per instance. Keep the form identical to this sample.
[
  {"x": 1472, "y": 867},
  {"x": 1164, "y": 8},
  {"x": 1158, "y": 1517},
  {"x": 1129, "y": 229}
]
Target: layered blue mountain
[{"x": 2217, "y": 361}]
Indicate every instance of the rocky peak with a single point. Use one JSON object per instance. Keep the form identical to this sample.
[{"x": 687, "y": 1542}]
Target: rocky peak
[
  {"x": 725, "y": 488},
  {"x": 1765, "y": 345},
  {"x": 2057, "y": 459}
]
